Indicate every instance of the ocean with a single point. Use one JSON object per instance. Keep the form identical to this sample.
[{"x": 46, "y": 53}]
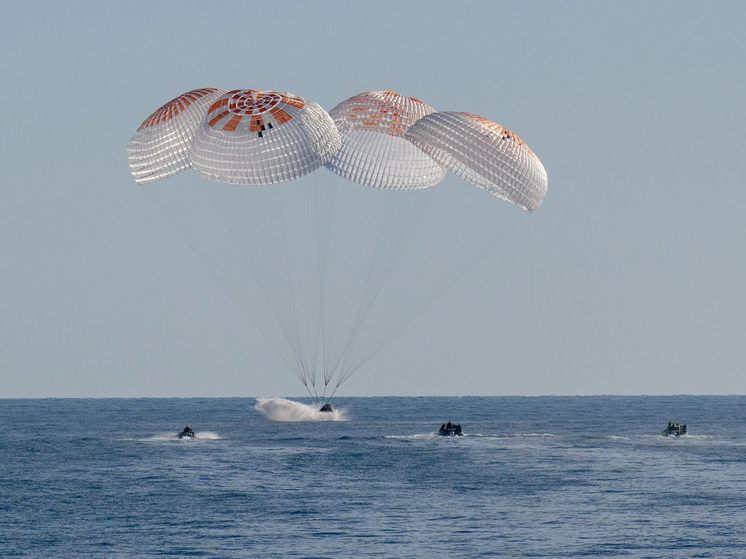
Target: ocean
[{"x": 532, "y": 477}]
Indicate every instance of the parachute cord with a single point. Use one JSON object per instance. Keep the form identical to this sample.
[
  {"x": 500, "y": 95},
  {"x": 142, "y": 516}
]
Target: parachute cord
[
  {"x": 313, "y": 396},
  {"x": 286, "y": 269},
  {"x": 479, "y": 257},
  {"x": 222, "y": 283},
  {"x": 309, "y": 376},
  {"x": 303, "y": 378},
  {"x": 373, "y": 221},
  {"x": 294, "y": 352},
  {"x": 353, "y": 331},
  {"x": 332, "y": 395},
  {"x": 323, "y": 266},
  {"x": 362, "y": 314}
]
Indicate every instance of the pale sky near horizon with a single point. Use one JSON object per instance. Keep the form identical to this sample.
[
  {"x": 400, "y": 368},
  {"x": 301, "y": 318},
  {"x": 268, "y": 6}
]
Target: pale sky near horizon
[{"x": 628, "y": 280}]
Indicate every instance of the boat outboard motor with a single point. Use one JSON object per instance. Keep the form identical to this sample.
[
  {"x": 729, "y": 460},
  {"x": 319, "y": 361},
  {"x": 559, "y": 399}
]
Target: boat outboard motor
[{"x": 327, "y": 408}]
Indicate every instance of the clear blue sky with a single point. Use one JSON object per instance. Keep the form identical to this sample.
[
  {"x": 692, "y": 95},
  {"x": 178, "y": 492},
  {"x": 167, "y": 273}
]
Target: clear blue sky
[{"x": 628, "y": 280}]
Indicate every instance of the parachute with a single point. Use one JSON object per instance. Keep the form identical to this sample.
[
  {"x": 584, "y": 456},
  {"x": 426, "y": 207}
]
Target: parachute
[
  {"x": 483, "y": 153},
  {"x": 374, "y": 152},
  {"x": 252, "y": 137},
  {"x": 331, "y": 263},
  {"x": 160, "y": 147}
]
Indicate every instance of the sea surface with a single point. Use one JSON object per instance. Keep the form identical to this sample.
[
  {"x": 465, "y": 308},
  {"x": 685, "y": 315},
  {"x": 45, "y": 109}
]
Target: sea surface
[{"x": 532, "y": 477}]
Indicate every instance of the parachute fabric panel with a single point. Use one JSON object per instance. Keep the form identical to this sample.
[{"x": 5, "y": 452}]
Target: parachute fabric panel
[
  {"x": 263, "y": 137},
  {"x": 374, "y": 152},
  {"x": 160, "y": 147},
  {"x": 483, "y": 153}
]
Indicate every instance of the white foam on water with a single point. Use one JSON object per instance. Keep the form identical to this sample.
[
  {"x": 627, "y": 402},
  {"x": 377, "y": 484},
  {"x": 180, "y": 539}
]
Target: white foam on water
[
  {"x": 206, "y": 436},
  {"x": 154, "y": 438},
  {"x": 280, "y": 409}
]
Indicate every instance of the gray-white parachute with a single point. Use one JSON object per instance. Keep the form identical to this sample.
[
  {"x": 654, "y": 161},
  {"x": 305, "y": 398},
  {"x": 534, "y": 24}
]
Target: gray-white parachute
[
  {"x": 376, "y": 138},
  {"x": 483, "y": 153},
  {"x": 374, "y": 150},
  {"x": 326, "y": 267},
  {"x": 161, "y": 146},
  {"x": 240, "y": 137}
]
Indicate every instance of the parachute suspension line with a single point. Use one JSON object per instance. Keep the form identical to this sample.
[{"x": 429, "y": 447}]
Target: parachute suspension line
[
  {"x": 329, "y": 399},
  {"x": 282, "y": 263},
  {"x": 374, "y": 286},
  {"x": 402, "y": 224},
  {"x": 241, "y": 215},
  {"x": 349, "y": 370},
  {"x": 419, "y": 209},
  {"x": 353, "y": 330},
  {"x": 323, "y": 231},
  {"x": 183, "y": 234},
  {"x": 347, "y": 261},
  {"x": 286, "y": 271},
  {"x": 314, "y": 396}
]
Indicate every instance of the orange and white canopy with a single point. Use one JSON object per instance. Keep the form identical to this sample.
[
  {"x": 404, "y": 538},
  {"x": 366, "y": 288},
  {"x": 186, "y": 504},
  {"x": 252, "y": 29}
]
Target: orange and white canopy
[
  {"x": 374, "y": 151},
  {"x": 160, "y": 147},
  {"x": 376, "y": 138},
  {"x": 263, "y": 137},
  {"x": 484, "y": 153}
]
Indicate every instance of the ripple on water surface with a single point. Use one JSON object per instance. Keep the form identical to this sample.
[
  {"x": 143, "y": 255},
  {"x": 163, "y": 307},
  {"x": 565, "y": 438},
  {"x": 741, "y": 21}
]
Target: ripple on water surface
[{"x": 531, "y": 477}]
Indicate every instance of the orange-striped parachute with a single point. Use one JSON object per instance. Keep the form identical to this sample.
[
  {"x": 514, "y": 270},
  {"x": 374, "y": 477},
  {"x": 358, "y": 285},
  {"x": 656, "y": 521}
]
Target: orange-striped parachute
[
  {"x": 160, "y": 147},
  {"x": 483, "y": 153},
  {"x": 326, "y": 267},
  {"x": 374, "y": 151}
]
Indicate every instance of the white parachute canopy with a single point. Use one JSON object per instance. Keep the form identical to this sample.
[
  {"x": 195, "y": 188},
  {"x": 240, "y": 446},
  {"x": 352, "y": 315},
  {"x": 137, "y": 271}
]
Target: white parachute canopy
[
  {"x": 329, "y": 270},
  {"x": 263, "y": 137},
  {"x": 160, "y": 147},
  {"x": 374, "y": 152},
  {"x": 483, "y": 153}
]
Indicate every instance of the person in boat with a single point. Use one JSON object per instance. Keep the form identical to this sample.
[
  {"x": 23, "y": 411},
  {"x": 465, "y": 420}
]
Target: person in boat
[{"x": 443, "y": 427}]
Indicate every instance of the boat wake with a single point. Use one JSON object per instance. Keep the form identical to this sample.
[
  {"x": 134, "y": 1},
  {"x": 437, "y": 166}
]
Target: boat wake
[
  {"x": 280, "y": 409},
  {"x": 204, "y": 435}
]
